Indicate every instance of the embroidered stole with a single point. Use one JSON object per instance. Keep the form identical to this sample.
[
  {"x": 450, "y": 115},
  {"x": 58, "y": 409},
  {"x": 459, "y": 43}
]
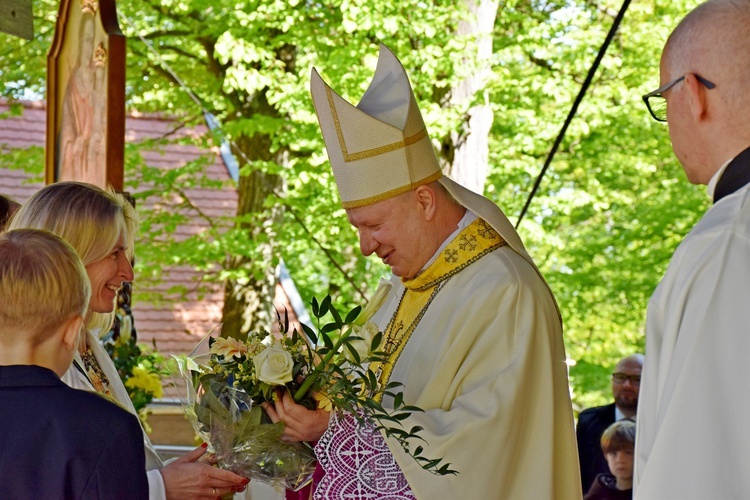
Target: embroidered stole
[{"x": 473, "y": 242}]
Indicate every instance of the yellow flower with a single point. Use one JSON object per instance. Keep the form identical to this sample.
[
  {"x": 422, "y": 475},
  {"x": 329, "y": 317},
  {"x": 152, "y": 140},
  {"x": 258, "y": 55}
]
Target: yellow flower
[
  {"x": 228, "y": 347},
  {"x": 323, "y": 402},
  {"x": 146, "y": 381}
]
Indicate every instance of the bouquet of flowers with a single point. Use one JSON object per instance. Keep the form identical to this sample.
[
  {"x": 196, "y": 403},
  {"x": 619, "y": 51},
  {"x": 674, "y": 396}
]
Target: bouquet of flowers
[
  {"x": 225, "y": 390},
  {"x": 328, "y": 369}
]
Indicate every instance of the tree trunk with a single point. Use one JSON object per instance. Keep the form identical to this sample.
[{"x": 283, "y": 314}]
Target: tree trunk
[
  {"x": 248, "y": 302},
  {"x": 466, "y": 154}
]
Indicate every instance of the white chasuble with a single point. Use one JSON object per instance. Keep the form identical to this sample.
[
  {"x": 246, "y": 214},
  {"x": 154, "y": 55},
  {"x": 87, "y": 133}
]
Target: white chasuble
[{"x": 487, "y": 363}]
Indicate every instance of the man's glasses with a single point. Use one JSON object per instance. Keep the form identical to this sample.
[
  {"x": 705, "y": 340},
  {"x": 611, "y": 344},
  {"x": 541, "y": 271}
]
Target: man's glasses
[
  {"x": 657, "y": 104},
  {"x": 620, "y": 378}
]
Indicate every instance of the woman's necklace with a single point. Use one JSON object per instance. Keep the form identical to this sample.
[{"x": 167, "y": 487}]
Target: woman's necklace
[{"x": 93, "y": 371}]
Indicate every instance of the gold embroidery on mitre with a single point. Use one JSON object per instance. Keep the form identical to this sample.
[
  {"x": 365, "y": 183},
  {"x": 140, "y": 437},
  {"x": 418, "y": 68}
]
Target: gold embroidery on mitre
[
  {"x": 392, "y": 193},
  {"x": 368, "y": 153}
]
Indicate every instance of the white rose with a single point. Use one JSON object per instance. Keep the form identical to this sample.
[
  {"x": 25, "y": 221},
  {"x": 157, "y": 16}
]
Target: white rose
[
  {"x": 366, "y": 333},
  {"x": 274, "y": 365}
]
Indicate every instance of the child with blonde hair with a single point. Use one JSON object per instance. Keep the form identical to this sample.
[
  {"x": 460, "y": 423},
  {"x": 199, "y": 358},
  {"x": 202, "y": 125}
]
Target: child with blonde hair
[{"x": 49, "y": 451}]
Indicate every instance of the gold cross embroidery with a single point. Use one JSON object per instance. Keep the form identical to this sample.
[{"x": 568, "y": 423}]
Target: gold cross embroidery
[{"x": 468, "y": 242}]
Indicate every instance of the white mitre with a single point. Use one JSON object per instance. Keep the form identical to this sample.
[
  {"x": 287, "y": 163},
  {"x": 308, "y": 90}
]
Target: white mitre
[{"x": 380, "y": 148}]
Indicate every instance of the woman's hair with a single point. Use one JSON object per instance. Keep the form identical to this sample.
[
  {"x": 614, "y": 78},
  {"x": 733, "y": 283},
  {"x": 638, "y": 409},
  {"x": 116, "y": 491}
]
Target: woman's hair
[
  {"x": 618, "y": 436},
  {"x": 7, "y": 207},
  {"x": 42, "y": 284},
  {"x": 88, "y": 217}
]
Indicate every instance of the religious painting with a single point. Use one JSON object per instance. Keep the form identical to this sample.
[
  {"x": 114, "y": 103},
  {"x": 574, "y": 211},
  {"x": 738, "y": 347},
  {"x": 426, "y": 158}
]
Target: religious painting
[{"x": 86, "y": 95}]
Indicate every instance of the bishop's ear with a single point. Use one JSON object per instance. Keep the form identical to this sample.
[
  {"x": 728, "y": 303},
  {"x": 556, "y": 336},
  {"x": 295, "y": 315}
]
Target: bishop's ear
[{"x": 427, "y": 199}]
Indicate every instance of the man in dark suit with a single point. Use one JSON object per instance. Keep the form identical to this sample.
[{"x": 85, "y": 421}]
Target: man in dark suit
[
  {"x": 57, "y": 442},
  {"x": 592, "y": 422}
]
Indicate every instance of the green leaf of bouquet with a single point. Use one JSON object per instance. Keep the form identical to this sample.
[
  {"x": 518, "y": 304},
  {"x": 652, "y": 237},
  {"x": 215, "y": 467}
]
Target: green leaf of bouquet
[
  {"x": 329, "y": 327},
  {"x": 376, "y": 341},
  {"x": 412, "y": 409},
  {"x": 286, "y": 320},
  {"x": 295, "y": 336},
  {"x": 328, "y": 344},
  {"x": 315, "y": 307},
  {"x": 399, "y": 400},
  {"x": 444, "y": 470},
  {"x": 369, "y": 403},
  {"x": 336, "y": 316},
  {"x": 310, "y": 333},
  {"x": 397, "y": 433},
  {"x": 209, "y": 406},
  {"x": 325, "y": 306},
  {"x": 352, "y": 315},
  {"x": 353, "y": 352}
]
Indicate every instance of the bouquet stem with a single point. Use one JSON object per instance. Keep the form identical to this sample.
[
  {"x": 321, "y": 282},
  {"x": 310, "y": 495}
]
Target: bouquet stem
[{"x": 313, "y": 377}]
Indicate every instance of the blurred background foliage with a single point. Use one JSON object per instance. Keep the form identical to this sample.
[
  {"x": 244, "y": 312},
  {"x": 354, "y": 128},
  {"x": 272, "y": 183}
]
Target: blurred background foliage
[{"x": 611, "y": 209}]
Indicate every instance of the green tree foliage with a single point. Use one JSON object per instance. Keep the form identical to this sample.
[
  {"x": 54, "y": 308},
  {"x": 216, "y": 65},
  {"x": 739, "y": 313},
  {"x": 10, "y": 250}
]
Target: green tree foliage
[
  {"x": 615, "y": 202},
  {"x": 609, "y": 213}
]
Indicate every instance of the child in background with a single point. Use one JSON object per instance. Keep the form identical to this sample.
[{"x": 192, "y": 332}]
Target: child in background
[
  {"x": 618, "y": 444},
  {"x": 48, "y": 450}
]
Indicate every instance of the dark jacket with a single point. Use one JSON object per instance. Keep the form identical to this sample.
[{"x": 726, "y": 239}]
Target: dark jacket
[
  {"x": 604, "y": 488},
  {"x": 591, "y": 425},
  {"x": 63, "y": 443}
]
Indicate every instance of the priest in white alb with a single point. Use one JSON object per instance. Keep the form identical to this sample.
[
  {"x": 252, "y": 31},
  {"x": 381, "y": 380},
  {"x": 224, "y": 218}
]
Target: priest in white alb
[{"x": 692, "y": 435}]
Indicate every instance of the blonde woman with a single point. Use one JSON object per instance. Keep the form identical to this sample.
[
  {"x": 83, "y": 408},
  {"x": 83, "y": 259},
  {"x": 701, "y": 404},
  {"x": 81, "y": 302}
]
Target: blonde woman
[{"x": 100, "y": 225}]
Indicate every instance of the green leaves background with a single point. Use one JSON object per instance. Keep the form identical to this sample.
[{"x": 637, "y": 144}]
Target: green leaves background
[{"x": 611, "y": 210}]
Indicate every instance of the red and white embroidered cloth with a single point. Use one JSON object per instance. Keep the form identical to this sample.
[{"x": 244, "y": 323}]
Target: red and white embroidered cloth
[{"x": 357, "y": 463}]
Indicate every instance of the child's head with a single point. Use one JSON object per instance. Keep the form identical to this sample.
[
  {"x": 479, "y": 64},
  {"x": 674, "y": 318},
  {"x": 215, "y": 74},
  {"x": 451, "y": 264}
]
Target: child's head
[
  {"x": 44, "y": 294},
  {"x": 618, "y": 444}
]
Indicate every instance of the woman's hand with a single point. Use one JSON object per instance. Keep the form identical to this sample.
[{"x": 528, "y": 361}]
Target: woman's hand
[
  {"x": 301, "y": 424},
  {"x": 190, "y": 477}
]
